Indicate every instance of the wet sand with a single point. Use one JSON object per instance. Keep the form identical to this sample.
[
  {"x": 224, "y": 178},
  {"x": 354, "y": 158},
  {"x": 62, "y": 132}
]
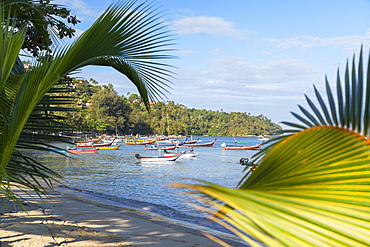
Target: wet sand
[{"x": 71, "y": 218}]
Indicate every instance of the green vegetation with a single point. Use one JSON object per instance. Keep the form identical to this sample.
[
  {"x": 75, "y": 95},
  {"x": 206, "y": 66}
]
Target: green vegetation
[
  {"x": 101, "y": 109},
  {"x": 125, "y": 37},
  {"x": 309, "y": 188},
  {"x": 44, "y": 21}
]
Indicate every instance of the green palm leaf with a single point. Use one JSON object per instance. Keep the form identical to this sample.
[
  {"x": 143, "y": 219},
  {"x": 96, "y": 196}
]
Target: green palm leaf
[
  {"x": 349, "y": 109},
  {"x": 312, "y": 189}
]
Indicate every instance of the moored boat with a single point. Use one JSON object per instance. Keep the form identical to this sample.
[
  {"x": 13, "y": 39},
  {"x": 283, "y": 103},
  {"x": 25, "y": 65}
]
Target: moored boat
[
  {"x": 255, "y": 147},
  {"x": 83, "y": 151},
  {"x": 89, "y": 141},
  {"x": 165, "y": 143},
  {"x": 208, "y": 144},
  {"x": 188, "y": 155},
  {"x": 159, "y": 158},
  {"x": 154, "y": 147},
  {"x": 185, "y": 155},
  {"x": 110, "y": 147},
  {"x": 139, "y": 142},
  {"x": 93, "y": 145}
]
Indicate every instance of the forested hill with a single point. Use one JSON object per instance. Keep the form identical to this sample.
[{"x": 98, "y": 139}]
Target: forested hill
[
  {"x": 102, "y": 110},
  {"x": 172, "y": 118}
]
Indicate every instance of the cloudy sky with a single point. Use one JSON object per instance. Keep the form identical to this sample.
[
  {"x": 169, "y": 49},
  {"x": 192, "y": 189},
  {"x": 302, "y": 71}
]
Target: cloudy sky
[{"x": 258, "y": 57}]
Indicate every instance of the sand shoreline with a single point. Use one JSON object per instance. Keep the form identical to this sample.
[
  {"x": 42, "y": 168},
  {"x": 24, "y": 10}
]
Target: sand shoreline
[{"x": 71, "y": 218}]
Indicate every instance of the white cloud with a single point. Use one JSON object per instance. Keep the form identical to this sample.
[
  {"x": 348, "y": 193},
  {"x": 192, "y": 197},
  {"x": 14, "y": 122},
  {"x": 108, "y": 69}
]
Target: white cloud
[
  {"x": 350, "y": 43},
  {"x": 234, "y": 84},
  {"x": 209, "y": 25},
  {"x": 217, "y": 51},
  {"x": 237, "y": 70}
]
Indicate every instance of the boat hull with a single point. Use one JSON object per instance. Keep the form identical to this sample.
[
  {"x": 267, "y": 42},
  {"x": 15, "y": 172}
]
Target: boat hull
[
  {"x": 157, "y": 148},
  {"x": 77, "y": 151},
  {"x": 89, "y": 141},
  {"x": 160, "y": 158},
  {"x": 140, "y": 143},
  {"x": 110, "y": 147},
  {"x": 189, "y": 155},
  {"x": 94, "y": 145},
  {"x": 256, "y": 147},
  {"x": 210, "y": 144}
]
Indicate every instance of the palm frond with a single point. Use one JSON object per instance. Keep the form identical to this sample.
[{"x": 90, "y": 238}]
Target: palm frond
[
  {"x": 312, "y": 189},
  {"x": 129, "y": 39},
  {"x": 349, "y": 109}
]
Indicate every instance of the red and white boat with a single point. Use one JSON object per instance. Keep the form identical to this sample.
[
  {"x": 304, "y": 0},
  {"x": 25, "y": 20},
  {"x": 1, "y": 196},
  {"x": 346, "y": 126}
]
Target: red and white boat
[
  {"x": 160, "y": 148},
  {"x": 139, "y": 142},
  {"x": 94, "y": 145},
  {"x": 159, "y": 158},
  {"x": 83, "y": 151},
  {"x": 208, "y": 144}
]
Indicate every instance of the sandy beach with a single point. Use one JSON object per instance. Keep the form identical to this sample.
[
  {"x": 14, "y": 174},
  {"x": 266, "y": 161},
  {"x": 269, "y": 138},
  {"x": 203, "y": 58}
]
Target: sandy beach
[{"x": 72, "y": 218}]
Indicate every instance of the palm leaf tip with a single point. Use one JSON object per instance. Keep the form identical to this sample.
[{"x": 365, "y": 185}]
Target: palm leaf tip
[{"x": 307, "y": 190}]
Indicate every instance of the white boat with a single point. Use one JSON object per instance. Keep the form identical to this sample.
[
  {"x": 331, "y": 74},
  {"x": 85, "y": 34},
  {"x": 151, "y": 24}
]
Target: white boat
[
  {"x": 185, "y": 155},
  {"x": 115, "y": 141},
  {"x": 188, "y": 155},
  {"x": 262, "y": 138},
  {"x": 162, "y": 158},
  {"x": 165, "y": 143}
]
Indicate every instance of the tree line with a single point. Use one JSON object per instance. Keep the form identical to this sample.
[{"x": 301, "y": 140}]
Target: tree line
[{"x": 100, "y": 109}]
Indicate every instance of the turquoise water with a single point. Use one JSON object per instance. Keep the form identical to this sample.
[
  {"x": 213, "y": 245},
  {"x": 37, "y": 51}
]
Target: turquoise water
[{"x": 117, "y": 175}]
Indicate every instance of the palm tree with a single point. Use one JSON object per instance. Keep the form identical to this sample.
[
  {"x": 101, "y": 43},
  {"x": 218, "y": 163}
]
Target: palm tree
[
  {"x": 127, "y": 37},
  {"x": 310, "y": 187}
]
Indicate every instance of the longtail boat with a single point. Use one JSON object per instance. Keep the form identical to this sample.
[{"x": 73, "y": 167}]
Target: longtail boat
[
  {"x": 160, "y": 148},
  {"x": 89, "y": 141},
  {"x": 94, "y": 145},
  {"x": 139, "y": 142},
  {"x": 110, "y": 147},
  {"x": 159, "y": 158},
  {"x": 83, "y": 151},
  {"x": 208, "y": 144},
  {"x": 186, "y": 155},
  {"x": 255, "y": 147}
]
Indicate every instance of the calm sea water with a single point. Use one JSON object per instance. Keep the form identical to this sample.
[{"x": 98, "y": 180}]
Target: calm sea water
[{"x": 117, "y": 175}]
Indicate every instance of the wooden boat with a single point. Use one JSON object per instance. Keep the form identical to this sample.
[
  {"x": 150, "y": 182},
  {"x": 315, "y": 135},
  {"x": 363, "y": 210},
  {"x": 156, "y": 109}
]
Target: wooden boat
[
  {"x": 160, "y": 148},
  {"x": 159, "y": 158},
  {"x": 192, "y": 141},
  {"x": 255, "y": 147},
  {"x": 63, "y": 150},
  {"x": 208, "y": 144},
  {"x": 110, "y": 147},
  {"x": 185, "y": 155},
  {"x": 139, "y": 142},
  {"x": 83, "y": 151},
  {"x": 89, "y": 141},
  {"x": 93, "y": 145},
  {"x": 188, "y": 155},
  {"x": 164, "y": 143}
]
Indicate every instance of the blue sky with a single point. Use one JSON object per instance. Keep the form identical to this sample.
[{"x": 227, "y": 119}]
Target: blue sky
[{"x": 258, "y": 57}]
